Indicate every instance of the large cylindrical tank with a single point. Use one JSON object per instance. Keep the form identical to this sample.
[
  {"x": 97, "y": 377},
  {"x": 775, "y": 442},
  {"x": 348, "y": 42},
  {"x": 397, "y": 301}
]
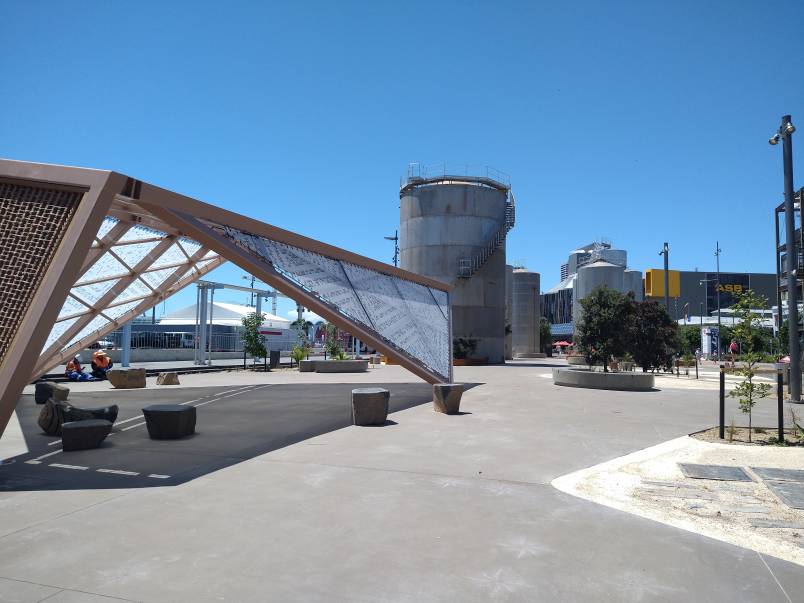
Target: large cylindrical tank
[
  {"x": 526, "y": 313},
  {"x": 444, "y": 221},
  {"x": 592, "y": 276},
  {"x": 509, "y": 303},
  {"x": 632, "y": 281}
]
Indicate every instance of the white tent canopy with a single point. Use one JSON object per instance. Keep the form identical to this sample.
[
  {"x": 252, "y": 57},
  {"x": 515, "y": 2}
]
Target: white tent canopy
[{"x": 225, "y": 314}]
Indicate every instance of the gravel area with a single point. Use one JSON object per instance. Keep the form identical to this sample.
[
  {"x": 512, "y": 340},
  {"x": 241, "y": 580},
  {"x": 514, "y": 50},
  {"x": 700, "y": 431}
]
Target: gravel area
[{"x": 650, "y": 483}]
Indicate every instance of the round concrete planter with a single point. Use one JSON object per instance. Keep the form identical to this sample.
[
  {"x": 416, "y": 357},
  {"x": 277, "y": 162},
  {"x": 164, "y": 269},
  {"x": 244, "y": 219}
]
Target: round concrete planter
[
  {"x": 635, "y": 382},
  {"x": 576, "y": 361}
]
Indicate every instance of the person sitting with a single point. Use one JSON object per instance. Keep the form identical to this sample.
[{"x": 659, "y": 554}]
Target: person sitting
[
  {"x": 74, "y": 371},
  {"x": 101, "y": 364}
]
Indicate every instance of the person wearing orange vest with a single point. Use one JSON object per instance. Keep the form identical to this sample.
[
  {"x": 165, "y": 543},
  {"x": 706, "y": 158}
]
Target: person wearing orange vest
[
  {"x": 74, "y": 371},
  {"x": 101, "y": 364}
]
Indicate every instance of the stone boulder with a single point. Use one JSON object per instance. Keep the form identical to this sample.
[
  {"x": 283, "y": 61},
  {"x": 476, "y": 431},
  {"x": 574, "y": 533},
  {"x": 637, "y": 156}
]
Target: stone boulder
[
  {"x": 127, "y": 378},
  {"x": 447, "y": 397},
  {"x": 49, "y": 390},
  {"x": 167, "y": 379},
  {"x": 370, "y": 405},
  {"x": 84, "y": 435},
  {"x": 55, "y": 414}
]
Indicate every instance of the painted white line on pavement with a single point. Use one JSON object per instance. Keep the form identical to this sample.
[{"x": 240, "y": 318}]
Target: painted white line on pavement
[
  {"x": 117, "y": 471},
  {"x": 34, "y": 462},
  {"x": 44, "y": 456},
  {"x": 158, "y": 476},
  {"x": 133, "y": 426},
  {"x": 191, "y": 401},
  {"x": 231, "y": 395},
  {"x": 60, "y": 466}
]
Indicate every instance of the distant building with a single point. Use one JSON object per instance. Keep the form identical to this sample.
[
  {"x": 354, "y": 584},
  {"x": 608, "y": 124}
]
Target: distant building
[
  {"x": 590, "y": 266},
  {"x": 696, "y": 293}
]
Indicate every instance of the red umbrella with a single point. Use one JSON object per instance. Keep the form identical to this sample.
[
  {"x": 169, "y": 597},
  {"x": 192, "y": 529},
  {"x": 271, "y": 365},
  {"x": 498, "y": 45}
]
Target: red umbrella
[{"x": 562, "y": 343}]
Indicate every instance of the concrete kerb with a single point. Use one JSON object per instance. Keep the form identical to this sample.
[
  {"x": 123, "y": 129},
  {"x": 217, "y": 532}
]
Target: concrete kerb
[{"x": 626, "y": 381}]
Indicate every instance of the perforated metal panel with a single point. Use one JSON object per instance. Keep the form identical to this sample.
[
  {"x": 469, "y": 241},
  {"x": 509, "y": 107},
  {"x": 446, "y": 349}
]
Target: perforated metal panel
[
  {"x": 33, "y": 221},
  {"x": 408, "y": 316}
]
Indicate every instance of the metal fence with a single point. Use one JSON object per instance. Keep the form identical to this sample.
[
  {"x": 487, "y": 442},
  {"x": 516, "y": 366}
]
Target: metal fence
[
  {"x": 220, "y": 342},
  {"x": 176, "y": 340}
]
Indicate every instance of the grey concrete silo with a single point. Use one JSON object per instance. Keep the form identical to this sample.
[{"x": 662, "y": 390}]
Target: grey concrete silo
[
  {"x": 632, "y": 281},
  {"x": 509, "y": 303},
  {"x": 526, "y": 312},
  {"x": 590, "y": 277},
  {"x": 452, "y": 228}
]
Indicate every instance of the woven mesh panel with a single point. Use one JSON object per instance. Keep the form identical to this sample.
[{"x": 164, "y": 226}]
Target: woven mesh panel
[{"x": 33, "y": 221}]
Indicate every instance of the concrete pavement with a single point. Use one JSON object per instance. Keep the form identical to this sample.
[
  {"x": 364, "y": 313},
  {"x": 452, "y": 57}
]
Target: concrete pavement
[{"x": 431, "y": 508}]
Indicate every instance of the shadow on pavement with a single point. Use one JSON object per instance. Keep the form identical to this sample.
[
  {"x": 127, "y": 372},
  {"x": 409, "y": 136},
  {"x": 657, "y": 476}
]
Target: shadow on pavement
[{"x": 234, "y": 424}]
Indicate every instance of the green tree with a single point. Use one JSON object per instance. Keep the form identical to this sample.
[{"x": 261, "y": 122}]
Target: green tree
[
  {"x": 690, "y": 336},
  {"x": 748, "y": 392},
  {"x": 783, "y": 339},
  {"x": 333, "y": 344},
  {"x": 601, "y": 331},
  {"x": 653, "y": 337},
  {"x": 545, "y": 335},
  {"x": 252, "y": 340},
  {"x": 302, "y": 328}
]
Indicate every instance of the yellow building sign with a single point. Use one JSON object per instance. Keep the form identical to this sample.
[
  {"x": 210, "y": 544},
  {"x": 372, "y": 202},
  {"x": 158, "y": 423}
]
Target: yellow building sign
[{"x": 654, "y": 282}]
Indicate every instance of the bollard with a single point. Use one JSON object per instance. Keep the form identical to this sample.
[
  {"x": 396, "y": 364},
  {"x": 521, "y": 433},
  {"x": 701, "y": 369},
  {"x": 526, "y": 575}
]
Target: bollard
[
  {"x": 696, "y": 366},
  {"x": 722, "y": 402},
  {"x": 780, "y": 403}
]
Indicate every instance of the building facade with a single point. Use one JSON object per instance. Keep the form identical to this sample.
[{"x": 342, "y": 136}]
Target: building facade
[
  {"x": 693, "y": 293},
  {"x": 587, "y": 267}
]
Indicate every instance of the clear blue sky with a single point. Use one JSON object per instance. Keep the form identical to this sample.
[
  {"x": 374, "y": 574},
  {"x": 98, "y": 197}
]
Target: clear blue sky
[{"x": 640, "y": 121}]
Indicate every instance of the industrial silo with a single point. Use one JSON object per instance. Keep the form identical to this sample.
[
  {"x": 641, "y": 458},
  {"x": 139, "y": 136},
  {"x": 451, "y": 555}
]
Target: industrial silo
[
  {"x": 526, "y": 314},
  {"x": 591, "y": 276},
  {"x": 509, "y": 303},
  {"x": 632, "y": 281},
  {"x": 453, "y": 228}
]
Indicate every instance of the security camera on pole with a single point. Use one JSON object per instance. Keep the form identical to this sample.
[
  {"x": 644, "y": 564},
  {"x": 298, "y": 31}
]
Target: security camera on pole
[{"x": 785, "y": 134}]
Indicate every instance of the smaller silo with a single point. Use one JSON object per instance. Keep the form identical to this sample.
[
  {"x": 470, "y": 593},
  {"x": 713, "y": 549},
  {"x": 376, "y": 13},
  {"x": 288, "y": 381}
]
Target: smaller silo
[
  {"x": 525, "y": 314},
  {"x": 632, "y": 282},
  {"x": 509, "y": 302}
]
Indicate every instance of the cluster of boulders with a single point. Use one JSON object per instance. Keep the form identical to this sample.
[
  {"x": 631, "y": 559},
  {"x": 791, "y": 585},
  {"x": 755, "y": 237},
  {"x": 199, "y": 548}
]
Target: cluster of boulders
[{"x": 80, "y": 428}]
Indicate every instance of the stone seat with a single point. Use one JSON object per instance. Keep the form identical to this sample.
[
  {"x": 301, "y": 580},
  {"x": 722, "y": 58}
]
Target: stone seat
[
  {"x": 370, "y": 405},
  {"x": 447, "y": 397},
  {"x": 55, "y": 414},
  {"x": 47, "y": 390},
  {"x": 84, "y": 435},
  {"x": 126, "y": 378},
  {"x": 169, "y": 421},
  {"x": 168, "y": 378}
]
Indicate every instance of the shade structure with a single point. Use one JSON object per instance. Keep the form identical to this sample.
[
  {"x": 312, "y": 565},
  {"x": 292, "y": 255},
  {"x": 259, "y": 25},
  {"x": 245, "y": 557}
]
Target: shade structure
[
  {"x": 562, "y": 343},
  {"x": 85, "y": 251}
]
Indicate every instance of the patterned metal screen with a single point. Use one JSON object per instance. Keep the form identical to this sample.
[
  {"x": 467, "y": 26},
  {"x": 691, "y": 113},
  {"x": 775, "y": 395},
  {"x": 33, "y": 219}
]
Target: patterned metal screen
[
  {"x": 408, "y": 316},
  {"x": 135, "y": 265},
  {"x": 33, "y": 221}
]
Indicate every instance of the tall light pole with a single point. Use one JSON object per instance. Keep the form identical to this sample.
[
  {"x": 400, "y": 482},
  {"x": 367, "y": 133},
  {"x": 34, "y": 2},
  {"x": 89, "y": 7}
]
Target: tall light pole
[
  {"x": 253, "y": 279},
  {"x": 785, "y": 133},
  {"x": 395, "y": 239},
  {"x": 718, "y": 251},
  {"x": 666, "y": 253}
]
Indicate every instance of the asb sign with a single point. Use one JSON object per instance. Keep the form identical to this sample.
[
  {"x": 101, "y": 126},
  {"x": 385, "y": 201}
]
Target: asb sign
[{"x": 731, "y": 287}]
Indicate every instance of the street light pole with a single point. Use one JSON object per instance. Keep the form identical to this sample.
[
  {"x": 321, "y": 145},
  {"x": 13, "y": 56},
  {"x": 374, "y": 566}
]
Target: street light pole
[
  {"x": 718, "y": 251},
  {"x": 785, "y": 133},
  {"x": 666, "y": 253},
  {"x": 395, "y": 239}
]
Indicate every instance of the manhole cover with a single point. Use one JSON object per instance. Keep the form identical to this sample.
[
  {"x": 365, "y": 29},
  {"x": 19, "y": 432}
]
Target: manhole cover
[
  {"x": 786, "y": 475},
  {"x": 719, "y": 472},
  {"x": 791, "y": 493}
]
